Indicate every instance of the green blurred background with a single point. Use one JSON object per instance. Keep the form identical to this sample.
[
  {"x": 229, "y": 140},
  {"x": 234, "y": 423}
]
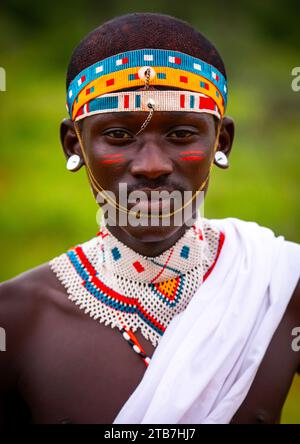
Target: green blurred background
[{"x": 45, "y": 210}]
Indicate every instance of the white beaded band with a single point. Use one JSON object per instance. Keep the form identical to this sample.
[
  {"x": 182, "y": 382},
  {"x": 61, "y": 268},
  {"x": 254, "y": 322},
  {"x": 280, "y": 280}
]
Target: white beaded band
[{"x": 143, "y": 100}]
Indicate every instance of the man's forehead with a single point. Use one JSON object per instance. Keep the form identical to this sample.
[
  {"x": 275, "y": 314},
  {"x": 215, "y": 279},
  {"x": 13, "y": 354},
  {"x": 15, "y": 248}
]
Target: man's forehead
[{"x": 174, "y": 117}]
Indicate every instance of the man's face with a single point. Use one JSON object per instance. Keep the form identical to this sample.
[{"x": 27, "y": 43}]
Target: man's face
[{"x": 174, "y": 152}]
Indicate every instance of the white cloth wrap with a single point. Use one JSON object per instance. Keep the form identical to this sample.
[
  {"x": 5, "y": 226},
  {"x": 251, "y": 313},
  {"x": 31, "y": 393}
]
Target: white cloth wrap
[{"x": 205, "y": 363}]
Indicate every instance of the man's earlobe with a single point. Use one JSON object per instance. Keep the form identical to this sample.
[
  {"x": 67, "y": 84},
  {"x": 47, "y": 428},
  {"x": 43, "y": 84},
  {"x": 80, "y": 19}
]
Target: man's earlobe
[
  {"x": 226, "y": 135},
  {"x": 71, "y": 145}
]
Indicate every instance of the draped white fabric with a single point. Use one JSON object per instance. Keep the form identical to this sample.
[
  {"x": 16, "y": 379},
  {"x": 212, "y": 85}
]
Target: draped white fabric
[{"x": 205, "y": 363}]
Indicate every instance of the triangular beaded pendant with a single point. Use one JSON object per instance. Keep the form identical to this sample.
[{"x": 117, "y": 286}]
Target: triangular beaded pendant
[{"x": 169, "y": 291}]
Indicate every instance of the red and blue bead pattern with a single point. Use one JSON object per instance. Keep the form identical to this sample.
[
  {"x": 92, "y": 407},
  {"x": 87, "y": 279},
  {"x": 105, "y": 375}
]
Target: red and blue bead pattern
[
  {"x": 106, "y": 295},
  {"x": 136, "y": 101}
]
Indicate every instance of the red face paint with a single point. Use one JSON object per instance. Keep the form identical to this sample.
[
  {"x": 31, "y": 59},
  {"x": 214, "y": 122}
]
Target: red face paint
[
  {"x": 113, "y": 158},
  {"x": 106, "y": 161},
  {"x": 192, "y": 158},
  {"x": 192, "y": 155}
]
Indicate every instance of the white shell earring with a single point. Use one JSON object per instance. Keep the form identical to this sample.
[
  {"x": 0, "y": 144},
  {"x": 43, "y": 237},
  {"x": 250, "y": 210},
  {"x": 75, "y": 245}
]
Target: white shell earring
[
  {"x": 221, "y": 159},
  {"x": 73, "y": 162}
]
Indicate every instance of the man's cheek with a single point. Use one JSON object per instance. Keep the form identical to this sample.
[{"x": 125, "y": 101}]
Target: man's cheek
[
  {"x": 192, "y": 155},
  {"x": 112, "y": 159}
]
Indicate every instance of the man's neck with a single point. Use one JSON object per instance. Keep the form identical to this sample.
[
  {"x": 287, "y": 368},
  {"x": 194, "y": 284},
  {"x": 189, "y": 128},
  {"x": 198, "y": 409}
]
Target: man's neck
[{"x": 151, "y": 247}]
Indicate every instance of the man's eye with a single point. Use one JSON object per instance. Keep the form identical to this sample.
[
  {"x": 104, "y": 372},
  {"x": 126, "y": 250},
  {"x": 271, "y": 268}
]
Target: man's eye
[
  {"x": 118, "y": 134},
  {"x": 179, "y": 134}
]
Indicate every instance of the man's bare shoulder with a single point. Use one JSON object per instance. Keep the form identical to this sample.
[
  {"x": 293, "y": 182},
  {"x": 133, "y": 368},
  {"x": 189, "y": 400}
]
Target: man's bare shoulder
[
  {"x": 24, "y": 302},
  {"x": 29, "y": 293}
]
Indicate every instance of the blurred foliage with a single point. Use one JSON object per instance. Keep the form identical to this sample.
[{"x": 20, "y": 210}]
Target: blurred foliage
[{"x": 45, "y": 210}]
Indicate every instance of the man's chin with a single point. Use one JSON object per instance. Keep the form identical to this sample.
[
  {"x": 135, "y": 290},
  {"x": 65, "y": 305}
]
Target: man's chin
[
  {"x": 151, "y": 233},
  {"x": 152, "y": 227}
]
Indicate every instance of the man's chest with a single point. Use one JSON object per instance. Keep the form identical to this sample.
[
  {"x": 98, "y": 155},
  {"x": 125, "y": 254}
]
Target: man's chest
[{"x": 79, "y": 371}]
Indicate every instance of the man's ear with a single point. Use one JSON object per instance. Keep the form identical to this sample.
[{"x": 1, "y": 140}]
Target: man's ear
[
  {"x": 226, "y": 136},
  {"x": 69, "y": 141}
]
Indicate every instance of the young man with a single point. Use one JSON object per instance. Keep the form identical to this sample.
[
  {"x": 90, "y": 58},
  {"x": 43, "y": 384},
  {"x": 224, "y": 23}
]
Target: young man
[{"x": 207, "y": 307}]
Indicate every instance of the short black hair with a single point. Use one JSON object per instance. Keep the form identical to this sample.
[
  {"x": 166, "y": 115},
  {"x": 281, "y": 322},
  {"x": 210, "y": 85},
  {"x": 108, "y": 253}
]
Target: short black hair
[{"x": 137, "y": 31}]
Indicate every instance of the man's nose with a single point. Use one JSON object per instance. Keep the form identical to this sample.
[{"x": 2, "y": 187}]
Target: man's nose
[{"x": 151, "y": 162}]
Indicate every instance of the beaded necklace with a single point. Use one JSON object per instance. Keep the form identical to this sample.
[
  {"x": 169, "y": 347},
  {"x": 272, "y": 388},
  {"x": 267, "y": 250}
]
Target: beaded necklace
[{"x": 123, "y": 289}]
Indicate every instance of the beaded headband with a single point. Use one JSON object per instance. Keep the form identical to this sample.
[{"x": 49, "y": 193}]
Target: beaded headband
[{"x": 93, "y": 90}]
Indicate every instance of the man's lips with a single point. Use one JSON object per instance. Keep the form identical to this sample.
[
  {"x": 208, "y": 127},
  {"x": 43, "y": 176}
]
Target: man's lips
[
  {"x": 153, "y": 200},
  {"x": 149, "y": 191}
]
